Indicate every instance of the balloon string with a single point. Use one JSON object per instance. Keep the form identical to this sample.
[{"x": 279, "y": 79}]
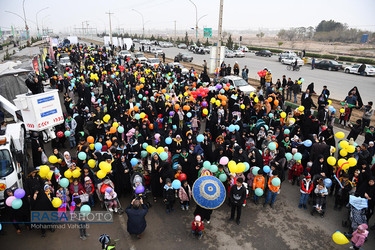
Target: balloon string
[{"x": 337, "y": 174}]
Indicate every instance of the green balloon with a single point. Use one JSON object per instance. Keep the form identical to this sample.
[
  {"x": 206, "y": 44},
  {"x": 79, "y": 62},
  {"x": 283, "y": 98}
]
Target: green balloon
[
  {"x": 16, "y": 203},
  {"x": 223, "y": 177},
  {"x": 259, "y": 191},
  {"x": 144, "y": 154},
  {"x": 206, "y": 165},
  {"x": 144, "y": 145}
]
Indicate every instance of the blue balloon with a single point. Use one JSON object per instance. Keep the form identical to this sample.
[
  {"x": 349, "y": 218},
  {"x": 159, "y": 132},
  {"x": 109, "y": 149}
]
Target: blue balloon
[
  {"x": 247, "y": 166},
  {"x": 307, "y": 143},
  {"x": 163, "y": 156},
  {"x": 237, "y": 127},
  {"x": 134, "y": 161},
  {"x": 176, "y": 184},
  {"x": 98, "y": 146},
  {"x": 327, "y": 182},
  {"x": 168, "y": 140},
  {"x": 231, "y": 128},
  {"x": 266, "y": 169},
  {"x": 200, "y": 138},
  {"x": 174, "y": 126},
  {"x": 188, "y": 114}
]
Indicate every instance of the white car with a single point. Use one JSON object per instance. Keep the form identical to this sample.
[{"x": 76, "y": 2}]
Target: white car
[
  {"x": 243, "y": 49},
  {"x": 291, "y": 60},
  {"x": 238, "y": 53},
  {"x": 157, "y": 51},
  {"x": 65, "y": 61},
  {"x": 369, "y": 71},
  {"x": 183, "y": 69},
  {"x": 229, "y": 54},
  {"x": 140, "y": 56},
  {"x": 237, "y": 81},
  {"x": 153, "y": 62},
  {"x": 124, "y": 53},
  {"x": 286, "y": 54},
  {"x": 182, "y": 46}
]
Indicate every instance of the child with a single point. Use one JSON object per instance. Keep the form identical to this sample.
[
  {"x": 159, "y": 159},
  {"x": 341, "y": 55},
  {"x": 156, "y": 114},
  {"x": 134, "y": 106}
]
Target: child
[
  {"x": 342, "y": 192},
  {"x": 306, "y": 188},
  {"x": 258, "y": 182},
  {"x": 89, "y": 188},
  {"x": 184, "y": 194},
  {"x": 194, "y": 123},
  {"x": 110, "y": 196},
  {"x": 178, "y": 172},
  {"x": 197, "y": 227},
  {"x": 72, "y": 139},
  {"x": 63, "y": 194},
  {"x": 321, "y": 193},
  {"x": 272, "y": 190},
  {"x": 354, "y": 181},
  {"x": 147, "y": 177},
  {"x": 344, "y": 117},
  {"x": 359, "y": 236},
  {"x": 296, "y": 170},
  {"x": 168, "y": 195},
  {"x": 220, "y": 171}
]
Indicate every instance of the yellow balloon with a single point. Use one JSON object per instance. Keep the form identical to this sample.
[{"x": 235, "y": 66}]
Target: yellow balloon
[
  {"x": 91, "y": 163},
  {"x": 329, "y": 102},
  {"x": 44, "y": 169},
  {"x": 160, "y": 150},
  {"x": 217, "y": 102},
  {"x": 166, "y": 97},
  {"x": 56, "y": 202},
  {"x": 115, "y": 124},
  {"x": 143, "y": 115},
  {"x": 301, "y": 108},
  {"x": 68, "y": 174},
  {"x": 333, "y": 149},
  {"x": 350, "y": 149},
  {"x": 242, "y": 106},
  {"x": 241, "y": 167},
  {"x": 256, "y": 99},
  {"x": 213, "y": 100},
  {"x": 232, "y": 166},
  {"x": 186, "y": 94},
  {"x": 52, "y": 159},
  {"x": 340, "y": 135},
  {"x": 331, "y": 160},
  {"x": 101, "y": 174},
  {"x": 153, "y": 150},
  {"x": 344, "y": 144},
  {"x": 106, "y": 118},
  {"x": 92, "y": 146},
  {"x": 49, "y": 175},
  {"x": 205, "y": 111},
  {"x": 76, "y": 173},
  {"x": 339, "y": 238},
  {"x": 342, "y": 111},
  {"x": 343, "y": 152},
  {"x": 282, "y": 114},
  {"x": 341, "y": 162},
  {"x": 352, "y": 162}
]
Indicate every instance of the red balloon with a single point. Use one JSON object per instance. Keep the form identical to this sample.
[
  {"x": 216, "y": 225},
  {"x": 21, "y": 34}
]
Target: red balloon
[
  {"x": 182, "y": 177},
  {"x": 60, "y": 134}
]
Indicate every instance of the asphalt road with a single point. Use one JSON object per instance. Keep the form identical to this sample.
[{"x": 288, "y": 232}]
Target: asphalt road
[{"x": 339, "y": 83}]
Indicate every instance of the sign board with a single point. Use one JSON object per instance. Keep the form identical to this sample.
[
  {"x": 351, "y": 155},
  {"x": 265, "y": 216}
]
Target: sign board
[
  {"x": 207, "y": 32},
  {"x": 364, "y": 38}
]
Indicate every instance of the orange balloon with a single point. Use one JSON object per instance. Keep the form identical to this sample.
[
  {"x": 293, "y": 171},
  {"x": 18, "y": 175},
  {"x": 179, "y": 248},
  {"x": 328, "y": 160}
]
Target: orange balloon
[
  {"x": 277, "y": 145},
  {"x": 269, "y": 99},
  {"x": 191, "y": 98},
  {"x": 137, "y": 88},
  {"x": 112, "y": 130},
  {"x": 226, "y": 88},
  {"x": 164, "y": 91},
  {"x": 90, "y": 139},
  {"x": 177, "y": 106},
  {"x": 223, "y": 103},
  {"x": 141, "y": 86},
  {"x": 151, "y": 126},
  {"x": 109, "y": 143},
  {"x": 276, "y": 102},
  {"x": 136, "y": 108}
]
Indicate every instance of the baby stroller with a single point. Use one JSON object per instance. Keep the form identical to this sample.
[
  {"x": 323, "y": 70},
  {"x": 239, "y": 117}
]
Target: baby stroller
[
  {"x": 100, "y": 192},
  {"x": 137, "y": 179},
  {"x": 356, "y": 214}
]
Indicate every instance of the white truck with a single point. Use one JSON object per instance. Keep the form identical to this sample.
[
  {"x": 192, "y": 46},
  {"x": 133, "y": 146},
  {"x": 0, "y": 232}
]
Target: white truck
[{"x": 40, "y": 112}]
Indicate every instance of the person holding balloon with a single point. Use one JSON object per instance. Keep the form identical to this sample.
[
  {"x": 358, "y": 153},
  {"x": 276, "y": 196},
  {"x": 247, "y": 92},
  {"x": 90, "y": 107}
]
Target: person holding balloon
[
  {"x": 18, "y": 207},
  {"x": 321, "y": 192},
  {"x": 273, "y": 188},
  {"x": 169, "y": 195},
  {"x": 258, "y": 185}
]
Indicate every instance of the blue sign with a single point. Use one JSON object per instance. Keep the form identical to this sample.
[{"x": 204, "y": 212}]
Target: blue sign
[
  {"x": 46, "y": 99},
  {"x": 364, "y": 38},
  {"x": 47, "y": 113}
]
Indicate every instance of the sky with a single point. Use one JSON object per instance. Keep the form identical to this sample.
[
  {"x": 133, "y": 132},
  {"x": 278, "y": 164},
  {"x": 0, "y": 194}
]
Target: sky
[{"x": 64, "y": 16}]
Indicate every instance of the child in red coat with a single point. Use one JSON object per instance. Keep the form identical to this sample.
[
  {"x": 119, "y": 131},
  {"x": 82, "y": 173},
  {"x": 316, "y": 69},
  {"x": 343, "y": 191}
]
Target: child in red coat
[
  {"x": 197, "y": 227},
  {"x": 296, "y": 170},
  {"x": 344, "y": 117}
]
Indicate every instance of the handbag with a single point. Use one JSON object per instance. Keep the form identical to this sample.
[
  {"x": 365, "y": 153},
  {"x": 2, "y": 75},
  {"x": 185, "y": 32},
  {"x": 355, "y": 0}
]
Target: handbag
[
  {"x": 44, "y": 158},
  {"x": 84, "y": 197}
]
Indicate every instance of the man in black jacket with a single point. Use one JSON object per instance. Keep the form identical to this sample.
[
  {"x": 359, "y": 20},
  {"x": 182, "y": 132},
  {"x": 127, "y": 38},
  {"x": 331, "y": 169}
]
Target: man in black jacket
[
  {"x": 136, "y": 212},
  {"x": 237, "y": 197}
]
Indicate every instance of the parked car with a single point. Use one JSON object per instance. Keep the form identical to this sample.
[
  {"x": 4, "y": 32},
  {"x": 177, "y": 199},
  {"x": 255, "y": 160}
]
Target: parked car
[
  {"x": 287, "y": 54},
  {"x": 182, "y": 46},
  {"x": 238, "y": 53},
  {"x": 140, "y": 56},
  {"x": 369, "y": 71},
  {"x": 207, "y": 49},
  {"x": 183, "y": 57},
  {"x": 291, "y": 60},
  {"x": 157, "y": 51},
  {"x": 328, "y": 64},
  {"x": 263, "y": 52},
  {"x": 243, "y": 49},
  {"x": 177, "y": 64},
  {"x": 229, "y": 54},
  {"x": 124, "y": 53},
  {"x": 165, "y": 44},
  {"x": 65, "y": 61},
  {"x": 153, "y": 62},
  {"x": 236, "y": 81}
]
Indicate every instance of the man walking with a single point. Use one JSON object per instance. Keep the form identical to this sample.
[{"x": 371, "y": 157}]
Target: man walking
[
  {"x": 245, "y": 73},
  {"x": 237, "y": 197},
  {"x": 368, "y": 111}
]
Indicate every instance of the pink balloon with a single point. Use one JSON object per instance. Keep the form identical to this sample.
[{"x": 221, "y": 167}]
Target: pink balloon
[
  {"x": 157, "y": 136},
  {"x": 224, "y": 160},
  {"x": 9, "y": 200}
]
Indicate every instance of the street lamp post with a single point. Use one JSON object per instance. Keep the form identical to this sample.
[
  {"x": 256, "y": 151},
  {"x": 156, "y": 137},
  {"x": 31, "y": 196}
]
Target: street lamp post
[
  {"x": 19, "y": 17},
  {"x": 36, "y": 17},
  {"x": 143, "y": 22},
  {"x": 26, "y": 27},
  {"x": 196, "y": 20},
  {"x": 219, "y": 35}
]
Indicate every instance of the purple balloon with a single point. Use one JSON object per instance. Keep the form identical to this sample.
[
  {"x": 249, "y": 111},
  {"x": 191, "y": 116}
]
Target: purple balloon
[
  {"x": 204, "y": 104},
  {"x": 19, "y": 193},
  {"x": 171, "y": 113},
  {"x": 218, "y": 86},
  {"x": 140, "y": 189}
]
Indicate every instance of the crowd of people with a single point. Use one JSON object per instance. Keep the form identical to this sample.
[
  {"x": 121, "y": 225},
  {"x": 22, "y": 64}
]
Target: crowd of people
[{"x": 122, "y": 117}]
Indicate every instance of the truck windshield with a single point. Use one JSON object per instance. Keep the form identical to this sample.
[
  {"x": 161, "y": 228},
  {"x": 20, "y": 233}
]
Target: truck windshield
[{"x": 6, "y": 166}]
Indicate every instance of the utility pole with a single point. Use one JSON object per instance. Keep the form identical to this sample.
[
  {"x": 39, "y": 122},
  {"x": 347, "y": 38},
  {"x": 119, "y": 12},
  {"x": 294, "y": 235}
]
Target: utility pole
[
  {"x": 175, "y": 31},
  {"x": 219, "y": 38},
  {"x": 26, "y": 27},
  {"x": 110, "y": 26}
]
